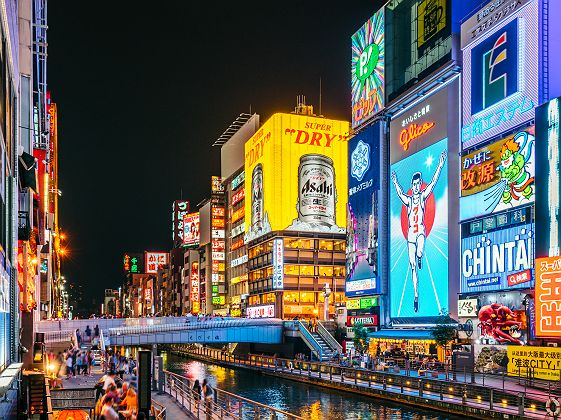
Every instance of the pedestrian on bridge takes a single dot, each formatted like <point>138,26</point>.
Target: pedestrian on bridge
<point>197,391</point>
<point>208,393</point>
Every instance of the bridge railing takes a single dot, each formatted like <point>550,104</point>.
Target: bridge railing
<point>329,339</point>
<point>224,404</point>
<point>487,395</point>
<point>308,338</point>
<point>194,325</point>
<point>59,336</point>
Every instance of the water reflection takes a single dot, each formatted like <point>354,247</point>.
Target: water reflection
<point>310,402</point>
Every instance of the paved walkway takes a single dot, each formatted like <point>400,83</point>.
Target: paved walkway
<point>173,410</point>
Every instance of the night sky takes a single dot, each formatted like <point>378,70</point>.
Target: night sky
<point>143,90</point>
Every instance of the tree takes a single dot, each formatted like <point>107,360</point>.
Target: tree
<point>361,337</point>
<point>444,331</point>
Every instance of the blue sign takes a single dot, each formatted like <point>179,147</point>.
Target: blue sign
<point>494,66</point>
<point>362,208</point>
<point>498,260</point>
<point>419,233</point>
<point>501,76</point>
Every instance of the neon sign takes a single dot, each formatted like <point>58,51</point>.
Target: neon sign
<point>194,295</point>
<point>413,132</point>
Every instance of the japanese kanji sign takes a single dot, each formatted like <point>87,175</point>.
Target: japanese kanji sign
<point>499,176</point>
<point>155,260</point>
<point>548,297</point>
<point>544,362</point>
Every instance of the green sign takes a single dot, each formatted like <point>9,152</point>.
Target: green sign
<point>367,62</point>
<point>215,289</point>
<point>366,303</point>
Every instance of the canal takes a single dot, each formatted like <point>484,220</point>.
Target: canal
<point>308,401</point>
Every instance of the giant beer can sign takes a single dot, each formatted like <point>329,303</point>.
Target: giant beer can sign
<point>296,166</point>
<point>316,184</point>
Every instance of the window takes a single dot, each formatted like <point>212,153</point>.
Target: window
<point>291,270</point>
<point>255,300</point>
<point>339,271</point>
<point>339,245</point>
<point>325,245</point>
<point>326,271</point>
<point>307,297</point>
<point>307,270</point>
<point>269,298</point>
<point>291,297</point>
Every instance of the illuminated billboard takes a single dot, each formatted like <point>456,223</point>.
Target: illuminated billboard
<point>548,297</point>
<point>362,207</point>
<point>179,209</point>
<point>367,69</point>
<point>194,294</point>
<point>132,263</point>
<point>155,261</point>
<point>296,168</point>
<point>548,188</point>
<point>501,259</point>
<point>419,233</point>
<point>423,124</point>
<point>418,40</point>
<point>499,176</point>
<point>500,75</point>
<point>191,232</point>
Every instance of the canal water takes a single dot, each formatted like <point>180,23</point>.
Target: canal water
<point>310,402</point>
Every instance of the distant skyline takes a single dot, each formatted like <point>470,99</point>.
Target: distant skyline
<point>143,92</point>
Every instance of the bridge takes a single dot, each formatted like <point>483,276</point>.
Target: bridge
<point>190,330</point>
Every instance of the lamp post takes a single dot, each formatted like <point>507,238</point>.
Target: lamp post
<point>326,293</point>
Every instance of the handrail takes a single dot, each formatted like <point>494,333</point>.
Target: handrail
<point>159,410</point>
<point>231,396</point>
<point>58,336</point>
<point>101,341</point>
<point>309,339</point>
<point>329,339</point>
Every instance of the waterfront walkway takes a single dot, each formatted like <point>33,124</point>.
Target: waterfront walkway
<point>475,400</point>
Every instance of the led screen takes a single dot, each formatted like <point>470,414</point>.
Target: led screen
<point>419,233</point>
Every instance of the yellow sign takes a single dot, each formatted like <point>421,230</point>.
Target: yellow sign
<point>296,176</point>
<point>431,19</point>
<point>543,362</point>
<point>353,304</point>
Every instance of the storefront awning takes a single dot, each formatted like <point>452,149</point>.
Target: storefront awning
<point>402,334</point>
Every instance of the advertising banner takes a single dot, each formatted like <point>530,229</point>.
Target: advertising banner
<point>419,40</point>
<point>419,233</point>
<point>498,260</point>
<point>132,263</point>
<point>502,318</point>
<point>490,358</point>
<point>180,209</point>
<point>154,261</point>
<point>362,217</point>
<point>364,320</point>
<point>278,263</point>
<point>467,308</point>
<point>548,297</point>
<point>363,287</point>
<point>499,176</point>
<point>548,188</point>
<point>420,126</point>
<point>297,176</point>
<point>191,229</point>
<point>367,69</point>
<point>238,180</point>
<point>544,362</point>
<point>266,311</point>
<point>500,75</point>
<point>194,292</point>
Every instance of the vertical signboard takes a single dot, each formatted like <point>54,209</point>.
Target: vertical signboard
<point>548,297</point>
<point>548,188</point>
<point>296,169</point>
<point>362,207</point>
<point>500,74</point>
<point>278,263</point>
<point>132,263</point>
<point>194,294</point>
<point>367,69</point>
<point>499,176</point>
<point>180,209</point>
<point>191,227</point>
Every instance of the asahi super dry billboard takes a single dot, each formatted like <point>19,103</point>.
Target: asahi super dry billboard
<point>296,180</point>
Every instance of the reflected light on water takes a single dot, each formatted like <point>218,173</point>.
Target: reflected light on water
<point>310,402</point>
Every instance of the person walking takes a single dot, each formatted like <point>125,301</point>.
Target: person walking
<point>96,331</point>
<point>68,365</point>
<point>197,391</point>
<point>208,394</point>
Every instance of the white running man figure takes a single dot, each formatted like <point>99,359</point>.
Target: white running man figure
<point>416,234</point>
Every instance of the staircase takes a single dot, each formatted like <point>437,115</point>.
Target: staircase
<point>36,395</point>
<point>327,353</point>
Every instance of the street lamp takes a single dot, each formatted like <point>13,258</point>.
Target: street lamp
<point>326,293</point>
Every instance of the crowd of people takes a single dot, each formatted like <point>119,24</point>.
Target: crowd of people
<point>116,398</point>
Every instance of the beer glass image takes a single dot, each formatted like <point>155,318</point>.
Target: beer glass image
<point>317,195</point>
<point>259,218</point>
